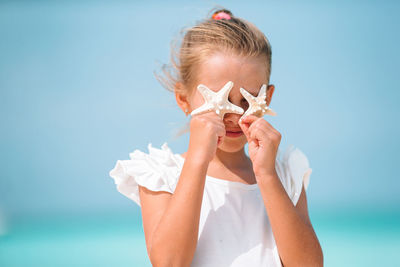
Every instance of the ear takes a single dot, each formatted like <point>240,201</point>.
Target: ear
<point>182,99</point>
<point>270,92</point>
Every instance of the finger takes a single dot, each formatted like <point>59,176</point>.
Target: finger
<point>217,116</point>
<point>265,125</point>
<point>258,134</point>
<point>255,124</point>
<point>221,137</point>
<point>210,113</point>
<point>220,130</point>
<point>220,134</point>
<point>246,122</point>
<point>245,129</point>
<point>249,119</point>
<point>220,140</point>
<point>217,119</point>
<point>203,113</point>
<point>253,143</point>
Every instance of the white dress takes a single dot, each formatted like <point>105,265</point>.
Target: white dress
<point>234,228</point>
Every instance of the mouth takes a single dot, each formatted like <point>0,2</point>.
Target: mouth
<point>233,133</point>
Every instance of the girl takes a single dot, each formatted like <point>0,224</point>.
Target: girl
<point>213,205</point>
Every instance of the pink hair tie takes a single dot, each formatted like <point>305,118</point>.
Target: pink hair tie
<point>221,15</point>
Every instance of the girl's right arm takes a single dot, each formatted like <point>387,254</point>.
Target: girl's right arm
<point>171,221</point>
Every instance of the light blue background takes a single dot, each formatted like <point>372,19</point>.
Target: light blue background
<point>74,77</point>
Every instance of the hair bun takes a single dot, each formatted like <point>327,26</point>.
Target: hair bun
<point>222,14</point>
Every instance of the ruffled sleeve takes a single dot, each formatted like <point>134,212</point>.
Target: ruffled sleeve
<point>157,170</point>
<point>294,171</point>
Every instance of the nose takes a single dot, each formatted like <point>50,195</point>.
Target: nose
<point>232,118</point>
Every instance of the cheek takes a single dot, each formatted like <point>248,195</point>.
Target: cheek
<point>197,100</point>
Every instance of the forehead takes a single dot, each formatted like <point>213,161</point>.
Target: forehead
<point>247,72</point>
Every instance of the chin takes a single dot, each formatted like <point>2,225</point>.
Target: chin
<point>233,144</point>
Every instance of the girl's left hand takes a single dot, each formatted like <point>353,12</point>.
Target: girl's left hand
<point>263,142</point>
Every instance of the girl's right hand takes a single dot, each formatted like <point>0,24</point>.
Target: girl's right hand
<point>207,131</point>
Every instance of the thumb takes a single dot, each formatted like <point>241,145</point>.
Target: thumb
<point>249,119</point>
<point>245,128</point>
<point>245,123</point>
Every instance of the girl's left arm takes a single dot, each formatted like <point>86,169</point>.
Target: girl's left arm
<point>294,235</point>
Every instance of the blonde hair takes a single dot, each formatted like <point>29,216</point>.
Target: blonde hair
<point>207,37</point>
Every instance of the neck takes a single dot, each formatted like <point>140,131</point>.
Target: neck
<point>231,159</point>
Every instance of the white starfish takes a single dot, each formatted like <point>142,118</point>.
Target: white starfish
<point>217,101</point>
<point>257,105</point>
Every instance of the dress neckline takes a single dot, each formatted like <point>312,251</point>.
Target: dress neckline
<point>224,182</point>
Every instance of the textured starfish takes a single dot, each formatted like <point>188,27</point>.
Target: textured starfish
<point>257,105</point>
<point>217,101</point>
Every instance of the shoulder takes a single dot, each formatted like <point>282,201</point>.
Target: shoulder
<point>157,170</point>
<point>294,171</point>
